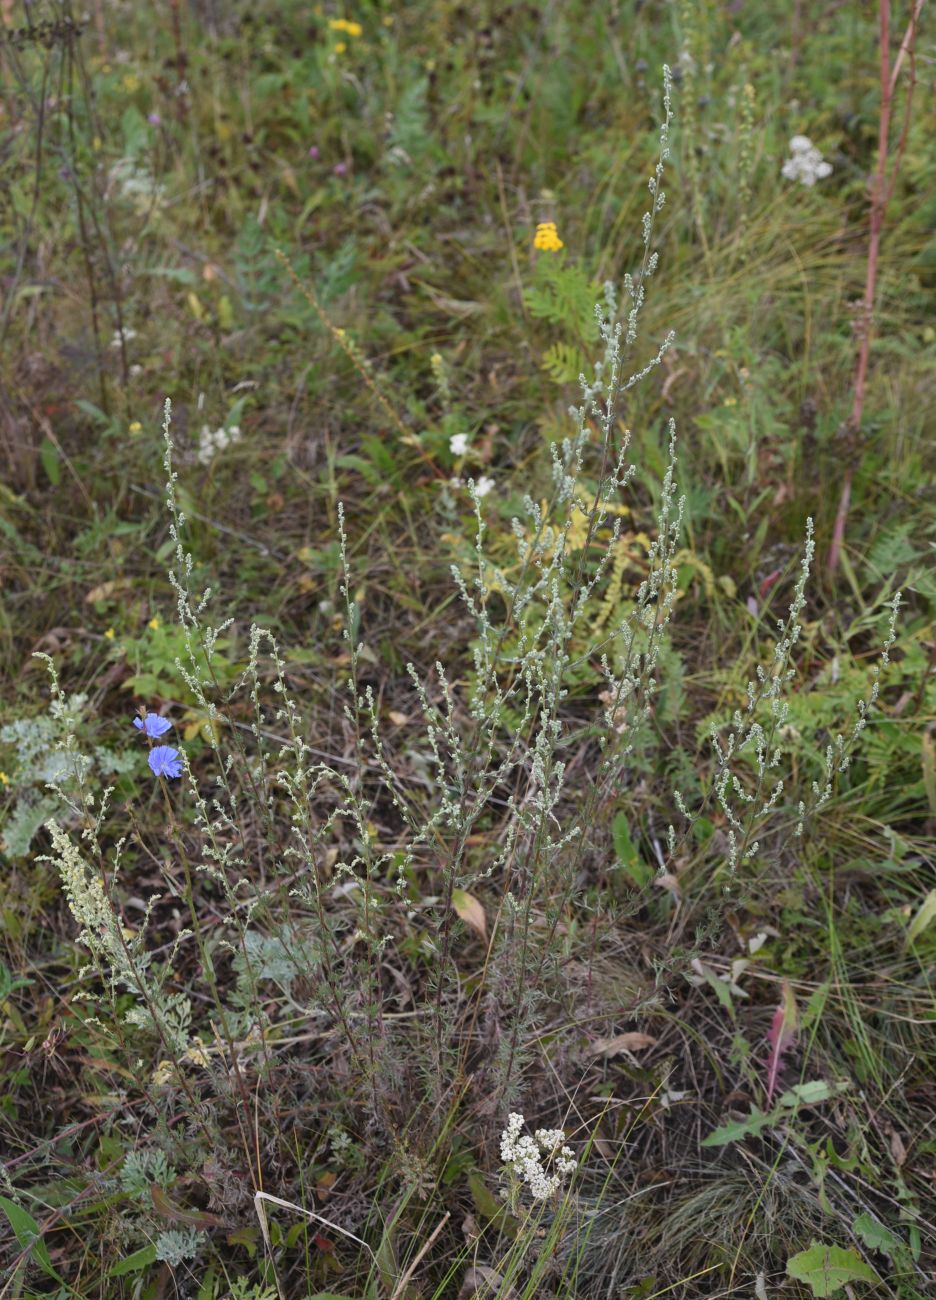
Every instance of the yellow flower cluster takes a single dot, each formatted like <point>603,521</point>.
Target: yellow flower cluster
<point>546,239</point>
<point>343,25</point>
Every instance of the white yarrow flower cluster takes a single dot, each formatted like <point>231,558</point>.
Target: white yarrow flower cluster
<point>458,444</point>
<point>806,163</point>
<point>527,1157</point>
<point>212,441</point>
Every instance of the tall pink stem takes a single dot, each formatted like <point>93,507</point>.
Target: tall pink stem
<point>881,189</point>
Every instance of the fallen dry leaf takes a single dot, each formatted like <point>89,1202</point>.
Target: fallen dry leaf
<point>485,1281</point>
<point>633,1041</point>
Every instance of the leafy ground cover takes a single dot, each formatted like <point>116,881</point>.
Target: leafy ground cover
<point>360,253</point>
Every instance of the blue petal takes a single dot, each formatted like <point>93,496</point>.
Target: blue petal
<point>164,761</point>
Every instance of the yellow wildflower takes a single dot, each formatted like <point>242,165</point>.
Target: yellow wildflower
<point>4,779</point>
<point>546,238</point>
<point>340,47</point>
<point>131,83</point>
<point>154,622</point>
<point>135,426</point>
<point>343,25</point>
<point>110,634</point>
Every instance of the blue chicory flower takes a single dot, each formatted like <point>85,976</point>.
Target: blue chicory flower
<point>165,761</point>
<point>152,725</point>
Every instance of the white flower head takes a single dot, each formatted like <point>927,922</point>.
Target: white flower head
<point>122,337</point>
<point>483,485</point>
<point>458,444</point>
<point>211,441</point>
<point>541,1162</point>
<point>805,164</point>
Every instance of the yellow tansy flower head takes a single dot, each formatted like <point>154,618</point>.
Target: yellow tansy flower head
<point>546,238</point>
<point>110,634</point>
<point>343,25</point>
<point>4,779</point>
<point>154,622</point>
<point>340,47</point>
<point>135,426</point>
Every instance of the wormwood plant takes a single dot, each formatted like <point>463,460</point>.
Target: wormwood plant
<point>313,915</point>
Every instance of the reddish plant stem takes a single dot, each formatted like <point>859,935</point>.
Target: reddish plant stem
<point>881,190</point>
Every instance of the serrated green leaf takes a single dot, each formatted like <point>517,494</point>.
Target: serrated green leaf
<point>811,1093</point>
<point>875,1236</point>
<point>826,1269</point>
<point>133,1263</point>
<point>736,1129</point>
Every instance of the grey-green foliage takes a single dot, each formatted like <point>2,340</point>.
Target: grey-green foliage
<point>508,730</point>
<point>38,761</point>
<point>143,1169</point>
<point>178,1245</point>
<point>29,815</point>
<point>271,957</point>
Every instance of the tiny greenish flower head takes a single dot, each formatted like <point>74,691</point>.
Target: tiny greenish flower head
<point>152,725</point>
<point>165,761</point>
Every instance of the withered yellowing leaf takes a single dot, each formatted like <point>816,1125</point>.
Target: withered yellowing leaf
<point>470,910</point>
<point>633,1041</point>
